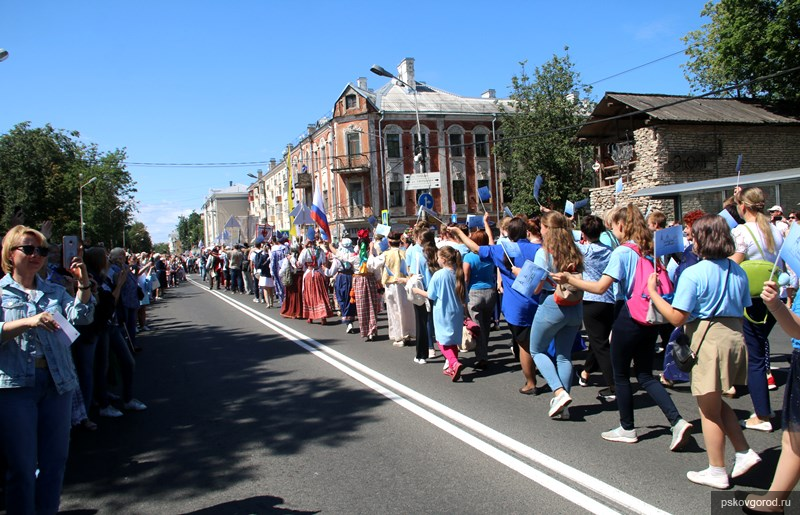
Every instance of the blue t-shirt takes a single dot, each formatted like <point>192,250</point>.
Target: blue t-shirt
<point>417,264</point>
<point>622,268</point>
<point>595,259</point>
<point>517,308</point>
<point>700,290</point>
<point>448,312</point>
<point>543,260</point>
<point>482,272</point>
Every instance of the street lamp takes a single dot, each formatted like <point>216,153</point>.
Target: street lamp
<point>80,195</point>
<point>418,151</point>
<point>3,54</point>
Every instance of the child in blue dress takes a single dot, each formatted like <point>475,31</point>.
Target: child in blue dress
<point>446,290</point>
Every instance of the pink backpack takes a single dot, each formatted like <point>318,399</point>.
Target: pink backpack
<point>639,303</point>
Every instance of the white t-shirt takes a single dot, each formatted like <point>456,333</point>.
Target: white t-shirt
<point>743,239</point>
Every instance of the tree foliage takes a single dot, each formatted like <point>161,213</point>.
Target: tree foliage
<point>41,172</point>
<point>138,239</point>
<point>539,136</point>
<point>190,230</point>
<point>743,40</point>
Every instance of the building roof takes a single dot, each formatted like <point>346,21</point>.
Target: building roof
<point>724,183</point>
<point>392,97</point>
<point>631,111</point>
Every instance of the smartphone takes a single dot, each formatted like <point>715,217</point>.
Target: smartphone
<point>69,250</point>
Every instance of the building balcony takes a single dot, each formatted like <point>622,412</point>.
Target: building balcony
<point>356,164</point>
<point>351,213</point>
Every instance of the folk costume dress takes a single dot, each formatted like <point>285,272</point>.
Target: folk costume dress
<point>368,300</point>
<point>315,292</point>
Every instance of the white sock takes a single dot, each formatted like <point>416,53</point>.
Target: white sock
<point>717,471</point>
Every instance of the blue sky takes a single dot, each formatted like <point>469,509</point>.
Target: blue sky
<point>221,82</point>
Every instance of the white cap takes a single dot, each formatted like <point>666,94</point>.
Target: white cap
<point>776,207</point>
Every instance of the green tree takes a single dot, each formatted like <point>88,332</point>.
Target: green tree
<point>743,40</point>
<point>190,230</point>
<point>539,130</point>
<point>138,238</point>
<point>161,248</point>
<point>41,171</point>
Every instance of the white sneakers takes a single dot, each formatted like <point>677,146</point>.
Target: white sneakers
<point>715,477</point>
<point>110,412</point>
<point>419,361</point>
<point>743,462</point>
<point>558,403</point>
<point>621,435</point>
<point>680,434</point>
<point>134,405</point>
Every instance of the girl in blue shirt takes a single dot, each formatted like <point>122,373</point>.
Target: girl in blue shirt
<point>446,290</point>
<point>714,291</point>
<point>481,277</point>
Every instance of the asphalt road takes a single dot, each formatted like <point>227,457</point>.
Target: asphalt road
<point>251,413</point>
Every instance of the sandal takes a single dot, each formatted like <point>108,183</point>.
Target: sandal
<point>666,382</point>
<point>528,391</point>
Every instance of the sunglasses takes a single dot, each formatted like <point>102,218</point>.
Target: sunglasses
<point>792,218</point>
<point>29,250</point>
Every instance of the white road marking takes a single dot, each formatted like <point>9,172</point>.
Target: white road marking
<point>402,394</point>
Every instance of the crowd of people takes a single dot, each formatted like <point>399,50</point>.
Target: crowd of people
<point>432,280</point>
<point>49,386</point>
<point>440,285</point>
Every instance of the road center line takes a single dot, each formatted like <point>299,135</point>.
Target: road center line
<point>372,379</point>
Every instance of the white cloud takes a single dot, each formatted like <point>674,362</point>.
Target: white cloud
<point>161,218</point>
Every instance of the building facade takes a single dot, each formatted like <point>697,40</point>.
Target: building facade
<point>226,215</point>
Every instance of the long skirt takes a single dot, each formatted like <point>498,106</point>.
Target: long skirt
<point>342,287</point>
<point>400,313</point>
<point>315,296</point>
<point>368,303</point>
<point>292,306</point>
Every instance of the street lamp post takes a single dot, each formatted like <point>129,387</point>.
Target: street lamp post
<point>418,151</point>
<point>80,195</point>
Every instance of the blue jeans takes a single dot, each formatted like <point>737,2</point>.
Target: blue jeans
<point>237,282</point>
<point>83,352</point>
<point>559,323</point>
<point>111,340</point>
<point>633,341</point>
<point>34,430</point>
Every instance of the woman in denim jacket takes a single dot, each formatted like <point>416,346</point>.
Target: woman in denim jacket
<point>37,376</point>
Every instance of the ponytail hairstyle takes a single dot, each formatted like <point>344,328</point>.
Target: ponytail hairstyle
<point>635,229</point>
<point>427,241</point>
<point>559,243</point>
<point>753,200</point>
<point>452,259</point>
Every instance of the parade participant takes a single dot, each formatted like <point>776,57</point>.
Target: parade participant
<point>365,287</point>
<point>37,376</point>
<point>598,310</point>
<point>342,268</point>
<point>518,309</point>
<point>709,301</point>
<point>787,473</point>
<point>630,340</point>
<point>398,308</point>
<point>421,261</point>
<point>315,292</point>
<point>447,290</point>
<point>277,254</point>
<point>292,280</point>
<point>480,275</point>
<point>557,319</point>
<point>757,239</point>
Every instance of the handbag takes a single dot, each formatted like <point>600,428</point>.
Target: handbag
<point>682,353</point>
<point>469,334</point>
<point>568,295</point>
<point>758,270</point>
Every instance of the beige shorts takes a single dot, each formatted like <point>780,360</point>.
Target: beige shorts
<point>722,358</point>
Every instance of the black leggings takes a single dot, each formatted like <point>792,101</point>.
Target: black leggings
<point>598,317</point>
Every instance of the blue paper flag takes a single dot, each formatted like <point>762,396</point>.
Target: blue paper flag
<point>739,164</point>
<point>569,208</point>
<point>484,193</point>
<point>668,241</point>
<point>529,279</point>
<point>732,223</point>
<point>507,212</point>
<point>310,233</point>
<point>475,221</point>
<point>454,218</point>
<point>790,250</point>
<point>618,187</point>
<point>537,186</point>
<point>372,220</point>
<point>581,204</point>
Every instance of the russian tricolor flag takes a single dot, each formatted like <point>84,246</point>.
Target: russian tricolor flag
<point>318,213</point>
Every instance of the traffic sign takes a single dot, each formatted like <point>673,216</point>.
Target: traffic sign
<point>385,216</point>
<point>426,200</point>
<point>422,181</point>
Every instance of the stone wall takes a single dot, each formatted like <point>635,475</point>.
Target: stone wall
<point>674,154</point>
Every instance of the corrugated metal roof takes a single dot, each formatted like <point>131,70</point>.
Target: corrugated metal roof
<point>712,110</point>
<point>748,180</point>
<point>394,98</point>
